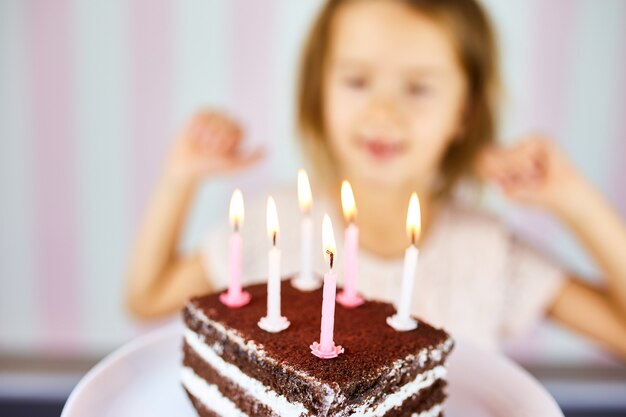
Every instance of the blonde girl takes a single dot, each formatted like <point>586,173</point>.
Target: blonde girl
<point>399,96</point>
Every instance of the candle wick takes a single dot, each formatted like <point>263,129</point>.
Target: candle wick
<point>236,226</point>
<point>274,239</point>
<point>413,237</point>
<point>332,258</point>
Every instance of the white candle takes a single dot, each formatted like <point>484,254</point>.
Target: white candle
<point>273,322</point>
<point>349,297</point>
<point>402,320</point>
<point>273,284</point>
<point>306,257</point>
<point>306,279</point>
<point>408,277</point>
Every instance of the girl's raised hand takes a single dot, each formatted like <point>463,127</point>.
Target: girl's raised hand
<point>533,171</point>
<point>209,144</point>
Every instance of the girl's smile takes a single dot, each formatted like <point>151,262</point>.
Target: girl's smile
<point>381,148</point>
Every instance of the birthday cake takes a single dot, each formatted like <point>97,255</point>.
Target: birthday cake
<point>231,367</point>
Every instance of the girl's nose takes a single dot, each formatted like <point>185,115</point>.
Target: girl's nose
<point>384,110</point>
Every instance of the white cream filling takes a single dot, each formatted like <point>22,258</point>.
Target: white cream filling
<point>208,394</point>
<point>396,399</point>
<point>278,403</point>
<point>212,398</point>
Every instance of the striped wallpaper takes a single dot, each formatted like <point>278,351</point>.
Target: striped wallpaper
<point>91,94</point>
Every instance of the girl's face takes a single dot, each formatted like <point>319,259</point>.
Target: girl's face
<point>394,94</point>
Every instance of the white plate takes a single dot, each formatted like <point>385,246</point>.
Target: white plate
<point>141,379</point>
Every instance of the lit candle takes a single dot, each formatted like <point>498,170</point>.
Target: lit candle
<point>235,297</point>
<point>326,348</point>
<point>306,280</point>
<point>402,320</point>
<point>273,322</point>
<point>349,296</point>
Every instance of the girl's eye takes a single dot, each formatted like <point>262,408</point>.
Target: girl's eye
<point>417,89</point>
<point>356,83</point>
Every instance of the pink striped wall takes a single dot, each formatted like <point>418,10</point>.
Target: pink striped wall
<point>254,36</point>
<point>151,73</point>
<point>54,145</point>
<point>552,33</point>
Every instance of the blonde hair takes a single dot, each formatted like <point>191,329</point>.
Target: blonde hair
<point>475,44</point>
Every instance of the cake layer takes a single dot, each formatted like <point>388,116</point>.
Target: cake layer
<point>238,395</point>
<point>208,400</point>
<point>377,361</point>
<point>207,396</point>
<point>200,408</point>
<point>250,397</point>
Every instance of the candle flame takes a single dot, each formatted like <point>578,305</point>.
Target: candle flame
<point>235,213</point>
<point>347,202</point>
<point>272,220</point>
<point>328,240</point>
<point>304,191</point>
<point>413,219</point>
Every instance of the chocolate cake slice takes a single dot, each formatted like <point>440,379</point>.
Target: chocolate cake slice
<point>233,368</point>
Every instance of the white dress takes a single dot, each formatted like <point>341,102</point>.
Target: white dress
<point>474,278</point>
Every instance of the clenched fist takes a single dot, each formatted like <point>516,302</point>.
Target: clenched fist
<point>533,171</point>
<point>209,144</point>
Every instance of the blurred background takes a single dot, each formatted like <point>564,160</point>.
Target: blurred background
<point>92,92</point>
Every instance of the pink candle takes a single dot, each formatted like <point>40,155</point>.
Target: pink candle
<point>235,297</point>
<point>351,248</point>
<point>235,247</point>
<point>326,348</point>
<point>328,312</point>
<point>349,297</point>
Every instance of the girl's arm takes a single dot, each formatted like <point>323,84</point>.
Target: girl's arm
<point>536,172</point>
<point>598,313</point>
<point>160,278</point>
<point>601,231</point>
<point>588,310</point>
